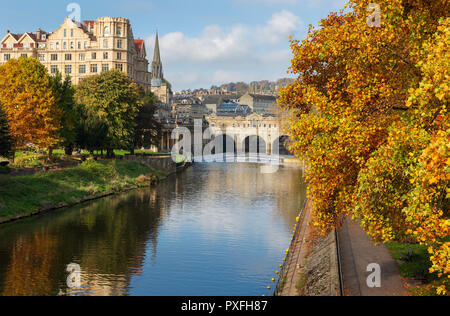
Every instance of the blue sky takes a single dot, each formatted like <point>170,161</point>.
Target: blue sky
<point>202,42</point>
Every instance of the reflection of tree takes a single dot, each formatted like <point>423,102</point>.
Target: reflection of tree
<point>107,238</point>
<point>30,266</point>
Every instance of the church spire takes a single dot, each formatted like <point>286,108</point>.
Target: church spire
<point>157,73</point>
<point>157,55</point>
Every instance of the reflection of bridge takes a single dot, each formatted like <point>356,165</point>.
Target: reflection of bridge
<point>252,133</point>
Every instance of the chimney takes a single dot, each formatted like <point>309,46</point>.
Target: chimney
<point>38,34</point>
<point>7,32</point>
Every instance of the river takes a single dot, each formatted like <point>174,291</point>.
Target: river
<point>215,229</point>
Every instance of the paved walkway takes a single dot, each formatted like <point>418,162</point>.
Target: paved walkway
<point>357,252</point>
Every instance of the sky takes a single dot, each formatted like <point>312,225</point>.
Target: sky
<point>203,42</point>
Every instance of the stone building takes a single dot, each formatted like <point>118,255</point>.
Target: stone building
<point>260,104</point>
<point>159,86</point>
<point>83,49</point>
<point>187,108</point>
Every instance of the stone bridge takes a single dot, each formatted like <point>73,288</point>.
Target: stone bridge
<point>238,134</point>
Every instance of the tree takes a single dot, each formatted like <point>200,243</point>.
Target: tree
<point>5,137</point>
<point>370,106</point>
<point>147,129</point>
<point>109,104</point>
<point>64,98</point>
<point>29,103</point>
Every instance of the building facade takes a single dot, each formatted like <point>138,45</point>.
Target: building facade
<point>83,49</point>
<point>261,104</point>
<point>187,108</point>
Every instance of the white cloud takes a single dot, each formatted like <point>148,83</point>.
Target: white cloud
<point>223,54</point>
<point>309,3</point>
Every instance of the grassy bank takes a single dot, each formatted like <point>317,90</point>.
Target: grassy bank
<point>26,195</point>
<point>414,263</point>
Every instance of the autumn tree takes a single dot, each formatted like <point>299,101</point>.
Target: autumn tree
<point>109,104</point>
<point>5,137</point>
<point>370,119</point>
<point>29,103</point>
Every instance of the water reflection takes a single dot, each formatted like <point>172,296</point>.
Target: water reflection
<point>217,229</point>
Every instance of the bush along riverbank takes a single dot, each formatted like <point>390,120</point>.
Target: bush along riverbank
<point>24,196</point>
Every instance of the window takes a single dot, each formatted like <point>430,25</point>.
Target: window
<point>105,67</point>
<point>51,45</point>
<point>93,68</point>
<point>65,33</point>
<point>26,45</point>
<point>119,56</point>
<point>41,57</point>
<point>65,45</point>
<point>71,45</point>
<point>68,69</point>
<point>68,57</point>
<point>82,57</point>
<point>53,69</point>
<point>9,45</point>
<point>105,55</point>
<point>54,57</point>
<point>79,45</point>
<point>119,43</point>
<point>105,43</point>
<point>71,33</point>
<point>85,45</point>
<point>82,69</point>
<point>24,55</point>
<point>7,57</point>
<point>94,56</point>
<point>41,45</point>
<point>57,45</point>
<point>119,31</point>
<point>106,31</point>
<point>119,67</point>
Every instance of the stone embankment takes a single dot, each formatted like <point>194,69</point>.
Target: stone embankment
<point>312,268</point>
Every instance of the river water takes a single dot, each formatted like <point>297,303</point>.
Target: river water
<point>215,229</point>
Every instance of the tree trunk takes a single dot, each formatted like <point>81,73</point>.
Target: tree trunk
<point>110,153</point>
<point>50,154</point>
<point>68,150</point>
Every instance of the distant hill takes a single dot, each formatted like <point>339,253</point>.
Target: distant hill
<point>263,86</point>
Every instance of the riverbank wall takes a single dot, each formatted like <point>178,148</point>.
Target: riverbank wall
<point>312,263</point>
<point>164,163</point>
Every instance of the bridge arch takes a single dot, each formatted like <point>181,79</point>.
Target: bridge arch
<point>282,143</point>
<point>254,144</point>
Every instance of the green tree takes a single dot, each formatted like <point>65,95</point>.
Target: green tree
<point>147,130</point>
<point>5,137</point>
<point>109,102</point>
<point>64,97</point>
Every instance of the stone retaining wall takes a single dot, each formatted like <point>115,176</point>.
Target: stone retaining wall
<point>322,270</point>
<point>164,163</point>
